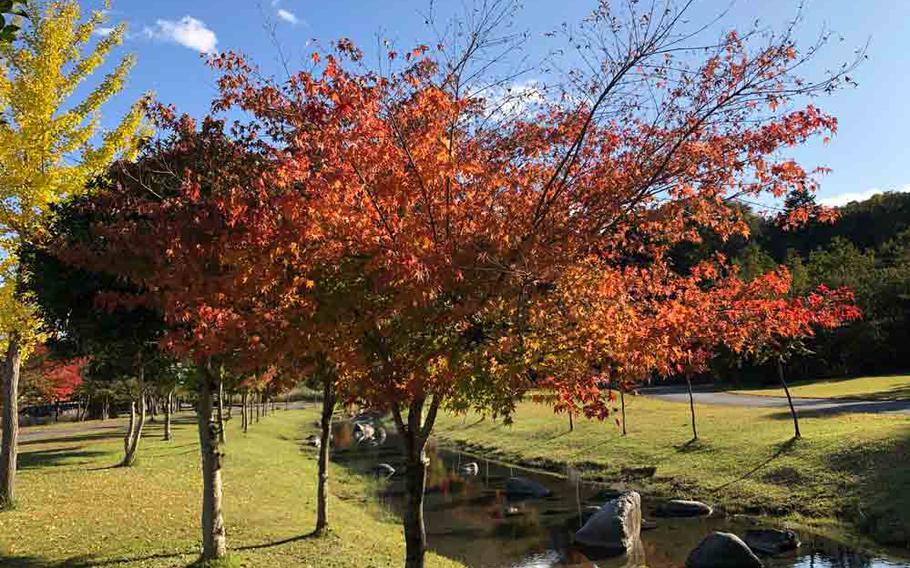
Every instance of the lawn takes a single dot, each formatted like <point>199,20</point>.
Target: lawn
<point>849,474</point>
<point>891,387</point>
<point>76,511</point>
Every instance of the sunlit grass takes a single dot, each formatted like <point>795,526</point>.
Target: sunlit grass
<point>891,387</point>
<point>851,467</point>
<point>76,511</point>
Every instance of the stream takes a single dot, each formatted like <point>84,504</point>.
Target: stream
<point>470,518</point>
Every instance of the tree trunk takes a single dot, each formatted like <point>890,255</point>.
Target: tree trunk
<point>328,408</point>
<point>622,404</point>
<point>780,374</point>
<point>414,437</point>
<point>243,418</point>
<point>214,541</point>
<point>128,437</point>
<point>692,408</point>
<point>8,453</point>
<point>258,404</point>
<point>230,405</point>
<point>415,535</point>
<point>571,421</point>
<point>220,408</point>
<point>136,434</point>
<point>167,415</point>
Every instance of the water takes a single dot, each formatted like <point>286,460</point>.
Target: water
<point>470,519</point>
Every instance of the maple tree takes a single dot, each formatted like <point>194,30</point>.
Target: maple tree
<point>503,252</point>
<point>47,379</point>
<point>438,252</point>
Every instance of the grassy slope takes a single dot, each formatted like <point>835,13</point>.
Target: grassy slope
<point>73,512</point>
<point>855,467</point>
<point>893,387</point>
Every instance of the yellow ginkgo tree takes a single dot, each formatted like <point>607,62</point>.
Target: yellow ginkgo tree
<point>52,145</point>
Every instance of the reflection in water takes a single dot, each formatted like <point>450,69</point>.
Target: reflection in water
<point>470,517</point>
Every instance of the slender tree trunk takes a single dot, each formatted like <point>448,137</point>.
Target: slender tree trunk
<point>135,434</point>
<point>56,411</point>
<point>780,374</point>
<point>8,452</point>
<point>214,541</point>
<point>230,405</point>
<point>571,421</point>
<point>414,437</point>
<point>128,437</point>
<point>258,404</point>
<point>622,404</point>
<point>692,408</point>
<point>167,415</point>
<point>243,420</point>
<point>325,433</point>
<point>220,408</point>
<point>416,478</point>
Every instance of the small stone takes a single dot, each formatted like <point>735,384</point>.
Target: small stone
<point>771,541</point>
<point>722,550</point>
<point>524,487</point>
<point>383,470</point>
<point>684,508</point>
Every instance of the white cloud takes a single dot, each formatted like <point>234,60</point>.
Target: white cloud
<point>103,32</point>
<point>287,16</point>
<point>517,98</point>
<point>842,199</point>
<point>188,32</point>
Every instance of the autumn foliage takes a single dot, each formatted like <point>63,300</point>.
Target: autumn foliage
<point>438,252</point>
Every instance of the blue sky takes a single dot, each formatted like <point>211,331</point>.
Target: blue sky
<point>870,153</point>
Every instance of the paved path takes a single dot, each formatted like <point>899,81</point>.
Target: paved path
<point>806,406</point>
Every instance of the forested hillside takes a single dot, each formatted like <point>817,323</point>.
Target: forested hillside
<point>867,248</point>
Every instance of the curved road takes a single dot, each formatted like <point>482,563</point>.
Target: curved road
<point>803,405</point>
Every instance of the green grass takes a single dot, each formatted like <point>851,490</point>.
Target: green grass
<point>74,510</point>
<point>848,472</point>
<point>893,387</point>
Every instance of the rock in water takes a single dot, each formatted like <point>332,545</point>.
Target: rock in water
<point>722,550</point>
<point>363,432</point>
<point>771,541</point>
<point>615,527</point>
<point>524,487</point>
<point>683,508</point>
<point>383,470</point>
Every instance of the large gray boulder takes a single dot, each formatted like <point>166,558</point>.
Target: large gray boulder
<point>722,550</point>
<point>683,508</point>
<point>522,487</point>
<point>771,541</point>
<point>615,527</point>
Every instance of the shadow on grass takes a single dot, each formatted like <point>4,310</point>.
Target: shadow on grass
<point>879,486</point>
<point>782,449</point>
<point>86,437</point>
<point>845,406</point>
<point>281,542</point>
<point>60,456</point>
<point>693,445</point>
